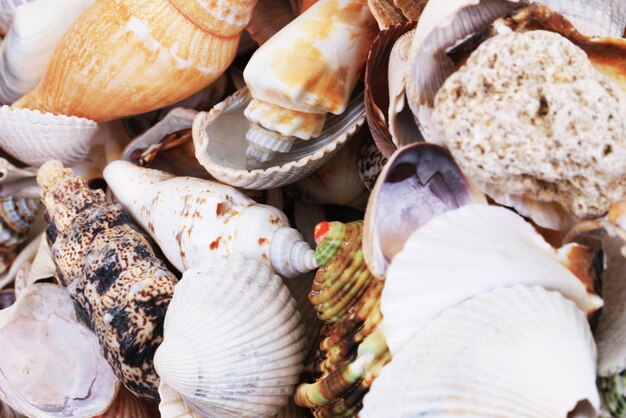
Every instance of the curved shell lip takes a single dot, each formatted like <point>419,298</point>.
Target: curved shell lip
<point>280,174</point>
<point>377,98</point>
<point>461,193</point>
<point>177,119</point>
<point>34,137</point>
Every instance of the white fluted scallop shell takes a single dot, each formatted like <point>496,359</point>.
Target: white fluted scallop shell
<point>220,140</point>
<point>34,137</point>
<point>514,352</point>
<point>464,252</point>
<point>233,342</point>
<point>26,51</point>
<point>71,379</point>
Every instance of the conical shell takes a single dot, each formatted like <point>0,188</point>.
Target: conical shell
<point>462,253</point>
<point>161,44</point>
<point>419,182</point>
<point>352,348</point>
<point>233,343</point>
<point>308,69</point>
<point>193,219</point>
<point>40,373</point>
<point>26,51</point>
<point>221,145</point>
<point>101,256</point>
<point>35,137</point>
<point>514,352</point>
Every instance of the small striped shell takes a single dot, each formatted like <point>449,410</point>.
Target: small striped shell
<point>17,215</point>
<point>353,349</point>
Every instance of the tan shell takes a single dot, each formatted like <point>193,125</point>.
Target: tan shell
<point>168,49</point>
<point>220,140</point>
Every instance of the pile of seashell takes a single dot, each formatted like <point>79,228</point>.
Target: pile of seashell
<point>329,208</point>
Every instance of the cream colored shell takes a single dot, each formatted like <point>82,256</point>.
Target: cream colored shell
<point>462,253</point>
<point>519,352</point>
<point>233,342</point>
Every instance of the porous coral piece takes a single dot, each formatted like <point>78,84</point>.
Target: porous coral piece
<point>530,115</point>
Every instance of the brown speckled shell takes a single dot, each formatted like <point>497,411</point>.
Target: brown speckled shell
<point>120,289</point>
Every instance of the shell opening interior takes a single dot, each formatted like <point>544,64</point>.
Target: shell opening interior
<point>229,144</point>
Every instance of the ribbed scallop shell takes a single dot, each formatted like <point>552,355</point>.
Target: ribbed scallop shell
<point>233,342</point>
<point>462,253</point>
<point>352,348</point>
<point>514,352</point>
<point>35,137</point>
<point>17,215</point>
<point>221,145</point>
<point>26,51</point>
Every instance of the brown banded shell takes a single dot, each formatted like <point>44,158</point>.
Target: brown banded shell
<point>347,298</point>
<point>376,86</point>
<point>101,256</point>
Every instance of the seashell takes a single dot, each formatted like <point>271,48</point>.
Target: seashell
<point>7,12</point>
<point>72,379</point>
<point>33,266</point>
<point>465,22</point>
<point>168,146</point>
<point>7,412</point>
<point>108,260</point>
<point>193,219</point>
<point>20,262</point>
<point>479,359</point>
<point>307,70</point>
<point>135,126</point>
<point>250,358</point>
<point>377,86</point>
<point>25,53</point>
<point>470,250</point>
<point>161,37</point>
<point>385,13</point>
<point>268,18</point>
<point>418,183</point>
<point>347,298</point>
<point>17,215</point>
<point>370,163</point>
<point>221,147</point>
<point>127,406</point>
<point>338,181</point>
<point>35,137</point>
<point>7,298</point>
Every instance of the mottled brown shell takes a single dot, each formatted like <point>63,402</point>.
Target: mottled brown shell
<point>120,288</point>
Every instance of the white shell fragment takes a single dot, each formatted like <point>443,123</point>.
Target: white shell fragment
<point>462,253</point>
<point>233,342</point>
<point>27,49</point>
<point>72,379</point>
<point>193,219</point>
<point>520,352</point>
<point>34,137</point>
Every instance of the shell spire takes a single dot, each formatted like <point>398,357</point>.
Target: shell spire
<point>193,219</point>
<point>119,287</point>
<point>17,215</point>
<point>346,297</point>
